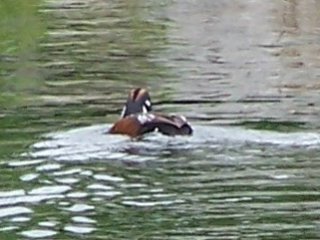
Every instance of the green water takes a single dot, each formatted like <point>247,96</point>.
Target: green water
<point>245,74</point>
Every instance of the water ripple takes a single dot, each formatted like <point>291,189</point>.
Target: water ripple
<point>38,233</point>
<point>13,211</point>
<point>79,229</point>
<point>92,143</point>
<point>49,190</point>
<point>76,208</point>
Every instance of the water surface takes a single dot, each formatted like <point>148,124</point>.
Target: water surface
<point>244,73</point>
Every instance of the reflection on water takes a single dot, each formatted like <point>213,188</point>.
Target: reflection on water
<point>249,64</point>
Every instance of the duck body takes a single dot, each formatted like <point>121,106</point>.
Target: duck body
<point>137,119</point>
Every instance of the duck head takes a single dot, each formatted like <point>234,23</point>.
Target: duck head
<point>138,101</point>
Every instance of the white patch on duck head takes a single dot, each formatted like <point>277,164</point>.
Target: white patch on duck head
<point>147,103</point>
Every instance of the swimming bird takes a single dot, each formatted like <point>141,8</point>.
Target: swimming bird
<point>137,118</point>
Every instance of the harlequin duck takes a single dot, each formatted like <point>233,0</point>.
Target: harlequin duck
<point>137,118</point>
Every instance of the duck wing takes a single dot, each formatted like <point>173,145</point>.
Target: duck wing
<point>166,124</point>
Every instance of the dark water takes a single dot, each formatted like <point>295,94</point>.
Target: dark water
<point>245,73</point>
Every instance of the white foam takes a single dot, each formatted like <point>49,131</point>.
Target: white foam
<point>87,143</point>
